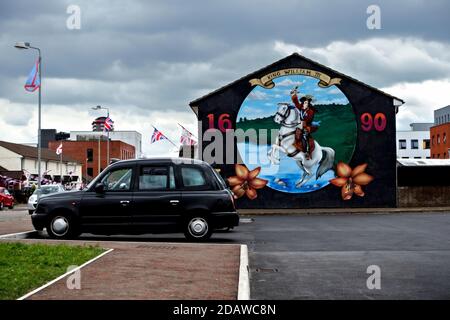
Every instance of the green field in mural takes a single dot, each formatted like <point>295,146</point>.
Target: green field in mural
<point>337,128</point>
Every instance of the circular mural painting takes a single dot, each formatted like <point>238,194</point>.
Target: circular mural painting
<point>301,131</point>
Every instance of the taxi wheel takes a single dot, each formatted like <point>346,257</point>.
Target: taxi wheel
<point>61,226</point>
<point>198,229</point>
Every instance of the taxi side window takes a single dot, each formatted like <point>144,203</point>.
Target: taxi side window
<point>193,177</point>
<point>156,178</point>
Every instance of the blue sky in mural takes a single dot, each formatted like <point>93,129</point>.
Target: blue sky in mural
<point>262,102</point>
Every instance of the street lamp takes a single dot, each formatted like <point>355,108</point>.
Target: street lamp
<point>22,46</point>
<point>107,132</point>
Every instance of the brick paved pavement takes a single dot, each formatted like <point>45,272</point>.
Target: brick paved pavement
<point>142,270</point>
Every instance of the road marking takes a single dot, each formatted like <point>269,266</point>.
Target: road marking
<point>244,280</point>
<point>16,234</point>
<point>64,275</point>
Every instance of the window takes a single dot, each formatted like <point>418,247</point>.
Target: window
<point>90,172</point>
<point>414,144</point>
<point>444,137</point>
<point>405,157</point>
<point>433,141</point>
<point>90,155</point>
<point>438,139</point>
<point>156,178</point>
<point>118,180</point>
<point>402,144</point>
<point>426,144</point>
<point>417,157</point>
<point>192,177</point>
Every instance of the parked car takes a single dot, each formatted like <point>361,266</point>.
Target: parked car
<point>42,192</point>
<point>143,196</point>
<point>6,199</point>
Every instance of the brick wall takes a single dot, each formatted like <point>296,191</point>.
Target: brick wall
<point>440,143</point>
<point>78,150</point>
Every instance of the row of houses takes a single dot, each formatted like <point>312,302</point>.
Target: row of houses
<point>84,155</point>
<point>19,161</point>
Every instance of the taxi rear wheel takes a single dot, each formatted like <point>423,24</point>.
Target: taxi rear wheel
<point>198,229</point>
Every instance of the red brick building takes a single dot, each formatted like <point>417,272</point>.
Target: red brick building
<point>440,144</point>
<point>87,153</point>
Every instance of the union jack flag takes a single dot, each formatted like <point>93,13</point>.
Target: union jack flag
<point>108,125</point>
<point>157,135</point>
<point>33,82</point>
<point>187,138</point>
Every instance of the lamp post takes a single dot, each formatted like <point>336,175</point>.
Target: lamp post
<point>107,132</point>
<point>26,45</point>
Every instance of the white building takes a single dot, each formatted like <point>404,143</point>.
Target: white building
<point>20,157</point>
<point>414,143</point>
<point>133,138</point>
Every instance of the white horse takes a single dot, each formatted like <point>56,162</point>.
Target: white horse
<point>289,119</point>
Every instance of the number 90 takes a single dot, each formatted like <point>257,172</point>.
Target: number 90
<point>368,122</point>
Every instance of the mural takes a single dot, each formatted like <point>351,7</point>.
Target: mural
<point>311,128</point>
<point>323,139</point>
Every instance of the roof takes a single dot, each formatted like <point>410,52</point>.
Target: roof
<point>32,152</point>
<point>158,160</point>
<point>441,125</point>
<point>443,109</point>
<point>295,54</point>
<point>14,174</point>
<point>423,162</point>
<point>96,132</point>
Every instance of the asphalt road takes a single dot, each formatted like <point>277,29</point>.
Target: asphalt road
<point>327,256</point>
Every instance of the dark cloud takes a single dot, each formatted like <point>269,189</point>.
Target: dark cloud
<point>159,55</point>
<point>146,32</point>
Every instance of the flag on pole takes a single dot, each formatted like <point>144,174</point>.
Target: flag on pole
<point>33,82</point>
<point>157,135</point>
<point>59,150</point>
<point>109,125</point>
<point>187,138</point>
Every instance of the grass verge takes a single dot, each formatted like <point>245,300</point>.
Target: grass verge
<point>24,267</point>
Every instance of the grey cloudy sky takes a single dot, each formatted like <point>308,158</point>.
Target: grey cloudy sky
<point>147,59</point>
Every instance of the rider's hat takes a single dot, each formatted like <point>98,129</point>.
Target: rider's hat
<point>308,97</point>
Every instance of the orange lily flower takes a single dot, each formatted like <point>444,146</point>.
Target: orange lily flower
<point>351,180</point>
<point>246,182</point>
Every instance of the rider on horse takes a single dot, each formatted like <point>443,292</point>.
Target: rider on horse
<point>303,139</point>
